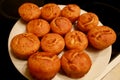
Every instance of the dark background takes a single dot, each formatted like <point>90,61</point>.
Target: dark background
<point>107,10</point>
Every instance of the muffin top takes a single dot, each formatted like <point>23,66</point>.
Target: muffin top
<point>101,37</point>
<point>50,11</point>
<point>43,66</point>
<point>52,42</point>
<point>76,40</point>
<point>61,25</point>
<point>25,44</point>
<point>39,27</point>
<point>87,21</point>
<point>75,63</point>
<point>29,11</point>
<point>71,11</point>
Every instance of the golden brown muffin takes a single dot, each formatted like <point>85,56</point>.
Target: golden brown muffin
<point>29,11</point>
<point>76,40</point>
<point>101,37</point>
<point>43,66</point>
<point>61,25</point>
<point>39,27</point>
<point>50,11</point>
<point>75,63</point>
<point>71,11</point>
<point>87,21</point>
<point>25,44</point>
<point>52,42</point>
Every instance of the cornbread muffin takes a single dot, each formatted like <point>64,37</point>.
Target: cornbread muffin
<point>101,37</point>
<point>52,42</point>
<point>75,63</point>
<point>76,40</point>
<point>87,21</point>
<point>29,11</point>
<point>25,44</point>
<point>71,11</point>
<point>50,11</point>
<point>61,25</point>
<point>43,66</point>
<point>39,27</point>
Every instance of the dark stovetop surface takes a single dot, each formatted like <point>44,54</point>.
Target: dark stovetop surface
<point>107,10</point>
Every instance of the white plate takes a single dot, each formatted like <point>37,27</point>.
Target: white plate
<point>100,59</point>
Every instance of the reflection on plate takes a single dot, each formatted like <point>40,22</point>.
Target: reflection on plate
<point>100,58</point>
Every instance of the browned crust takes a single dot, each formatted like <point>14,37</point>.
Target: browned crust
<point>25,44</point>
<point>101,37</point>
<point>75,63</point>
<point>87,21</point>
